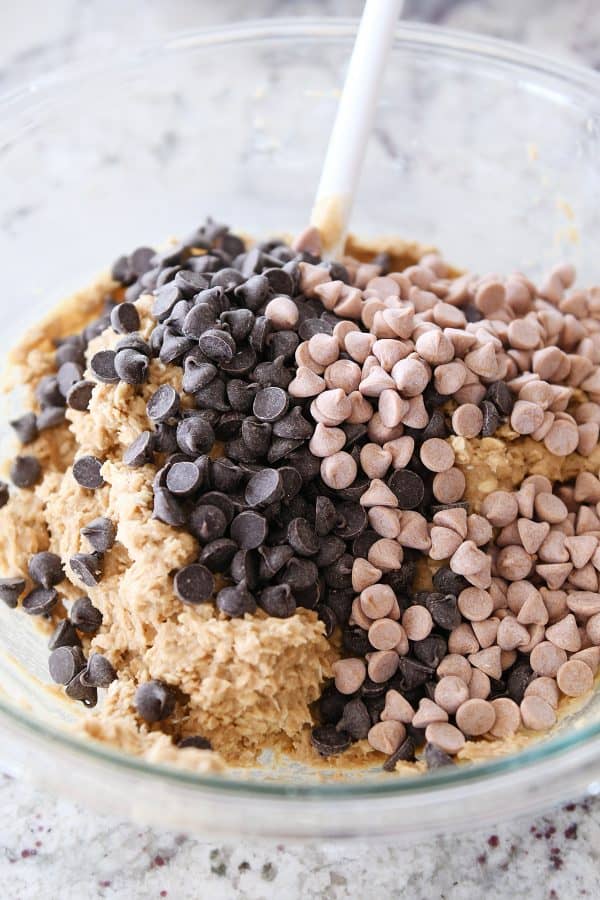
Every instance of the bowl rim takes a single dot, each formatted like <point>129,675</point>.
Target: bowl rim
<point>473,47</point>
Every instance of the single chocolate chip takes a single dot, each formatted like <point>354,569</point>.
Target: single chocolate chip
<point>331,705</point>
<point>86,472</point>
<point>356,640</point>
<point>331,548</point>
<point>100,533</point>
<point>196,741</point>
<point>102,365</point>
<point>273,559</point>
<point>65,663</point>
<point>165,299</point>
<point>195,436</point>
<point>217,554</point>
<point>173,346</point>
<point>370,689</point>
<point>98,672</point>
<point>167,509</point>
<point>154,701</point>
<point>299,574</point>
<point>325,515</point>
<point>431,650</point>
<point>255,435</point>
<point>87,567</point>
<point>40,601</point>
<point>519,677</point>
<point>240,323</point>
<point>444,611</point>
<point>70,353</point>
<point>25,427</point>
<point>491,418</point>
<point>225,475</point>
<point>178,314</point>
<point>25,471</point>
<point>222,501</point>
<point>131,367</point>
<point>363,543</point>
<point>249,530</point>
<point>282,448</point>
<point>48,392</point>
<point>448,582</point>
<point>270,404</point>
<point>355,720</point>
<point>241,395</point>
<point>254,292</point>
<point>327,741</point>
<point>412,674</point>
<point>351,520</point>
<point>404,753</point>
<point>340,602</point>
<point>140,450</point>
<point>217,344</point>
<point>259,335</point>
<point>244,567</point>
<point>125,318</point>
<point>293,426</point>
<point>277,601</point>
<point>291,483</point>
<point>499,394</point>
<point>11,589</point>
<point>408,487</point>
<point>64,635</point>
<point>85,616</point>
<point>309,327</point>
<point>273,374</point>
<point>436,427</point>
<point>190,283</point>
<point>50,417</point>
<point>264,488</point>
<point>207,523</point>
<point>45,568</point>
<point>302,537</point>
<point>309,597</point>
<point>79,395</point>
<point>77,690</point>
<point>436,758</point>
<point>135,342</point>
<point>283,343</point>
<point>163,404</point>
<point>194,584</point>
<point>236,601</point>
<point>183,478</point>
<point>141,260</point>
<point>327,616</point>
<point>339,575</point>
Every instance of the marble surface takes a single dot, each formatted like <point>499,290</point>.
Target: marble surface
<point>51,848</point>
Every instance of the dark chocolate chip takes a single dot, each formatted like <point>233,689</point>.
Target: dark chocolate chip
<point>167,509</point>
<point>100,533</point>
<point>77,690</point>
<point>270,404</point>
<point>310,327</point>
<point>165,299</point>
<point>225,475</point>
<point>331,548</point>
<point>174,346</point>
<point>163,404</point>
<point>255,435</point>
<point>11,589</point>
<point>259,335</point>
<point>45,568</point>
<point>125,318</point>
<point>299,574</point>
<point>194,584</point>
<point>444,610</point>
<point>131,367</point>
<point>282,448</point>
<point>264,488</point>
<point>85,616</point>
<point>331,705</point>
<point>341,604</point>
<point>140,450</point>
<point>64,635</point>
<point>98,672</point>
<point>135,342</point>
<point>65,663</point>
<point>249,530</point>
<point>236,601</point>
<point>283,343</point>
<point>519,677</point>
<point>241,395</point>
<point>222,501</point>
<point>351,520</point>
<point>273,559</point>
<point>273,374</point>
<point>217,554</point>
<point>80,395</point>
<point>196,741</point>
<point>408,487</point>
<point>291,483</point>
<point>448,582</point>
<point>356,641</point>
<point>436,427</point>
<point>412,674</point>
<point>325,515</point>
<point>499,394</point>
<point>86,472</point>
<point>190,283</point>
<point>254,292</point>
<point>183,478</point>
<point>436,758</point>
<point>355,720</point>
<point>431,650</point>
<point>302,537</point>
<point>404,753</point>
<point>195,436</point>
<point>87,567</point>
<point>50,417</point>
<point>277,601</point>
<point>491,418</point>
<point>207,522</point>
<point>327,740</point>
<point>217,344</point>
<point>102,365</point>
<point>48,392</point>
<point>40,601</point>
<point>327,616</point>
<point>25,427</point>
<point>154,701</point>
<point>25,471</point>
<point>240,323</point>
<point>363,543</point>
<point>244,567</point>
<point>293,426</point>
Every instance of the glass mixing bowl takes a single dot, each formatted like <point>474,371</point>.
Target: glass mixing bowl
<point>484,149</point>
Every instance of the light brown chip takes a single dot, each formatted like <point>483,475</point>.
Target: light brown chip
<point>343,374</point>
<point>455,664</point>
<point>358,345</point>
<point>583,603</point>
<point>467,420</point>
<point>511,634</point>
<point>326,441</point>
<point>454,518</point>
<point>361,410</point>
<point>401,450</point>
<point>581,548</point>
<point>445,736</point>
<point>475,604</point>
<point>593,629</point>
<point>364,574</point>
<point>385,634</point>
<point>390,351</point>
<point>565,634</point>
<point>533,610</point>
<point>514,563</point>
<point>306,383</point>
<point>386,736</point>
<point>410,376</point>
<point>427,713</point>
<point>397,708</point>
<point>449,487</point>
<point>562,438</point>
<point>385,521</point>
<point>462,640</point>
<point>547,658</point>
<point>413,531</point>
<point>479,530</point>
<point>482,361</point>
<point>554,574</point>
<point>377,601</point>
<point>550,508</point>
<point>486,631</point>
<point>590,656</point>
<point>532,534</point>
<point>382,665</point>
<point>339,470</point>
<point>449,378</point>
<point>544,687</point>
<point>508,718</point>
<point>490,297</point>
<point>526,417</point>
<point>450,693</point>
<point>374,460</point>
<point>537,714</point>
<point>349,674</point>
<point>333,406</point>
<point>479,687</point>
<point>358,617</point>
<point>500,508</point>
<point>475,717</point>
<point>376,382</point>
<point>553,549</point>
<point>468,559</point>
<point>489,661</point>
<point>437,455</point>
<point>444,542</point>
<point>392,408</point>
<point>417,623</point>
<point>386,554</point>
<point>378,494</point>
<point>324,349</point>
<point>379,434</point>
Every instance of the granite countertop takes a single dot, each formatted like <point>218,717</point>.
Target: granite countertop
<point>51,848</point>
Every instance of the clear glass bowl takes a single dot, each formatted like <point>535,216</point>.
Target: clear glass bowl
<point>486,150</point>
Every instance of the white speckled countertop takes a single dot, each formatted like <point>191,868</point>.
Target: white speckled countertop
<point>50,848</point>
